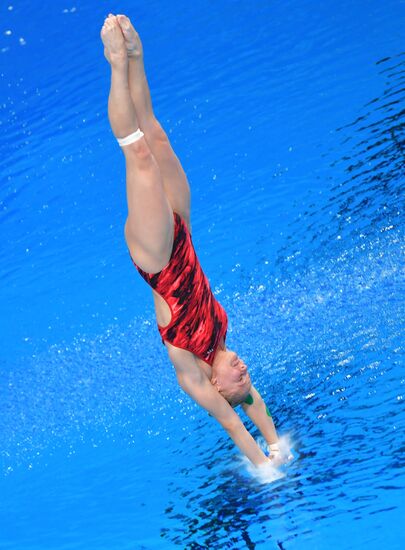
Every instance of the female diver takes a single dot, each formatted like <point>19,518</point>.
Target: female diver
<point>191,322</point>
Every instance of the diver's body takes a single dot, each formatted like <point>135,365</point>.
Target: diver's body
<point>158,235</point>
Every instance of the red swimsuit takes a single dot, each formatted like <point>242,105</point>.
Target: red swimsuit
<point>198,321</point>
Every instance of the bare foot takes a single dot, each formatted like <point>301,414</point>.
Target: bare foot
<point>113,40</point>
<point>132,41</point>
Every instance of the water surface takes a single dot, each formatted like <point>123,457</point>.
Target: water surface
<point>288,118</point>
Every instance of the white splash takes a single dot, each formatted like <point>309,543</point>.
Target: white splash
<point>270,472</point>
<point>267,473</point>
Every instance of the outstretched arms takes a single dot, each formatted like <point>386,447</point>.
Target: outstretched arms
<point>256,409</point>
<point>196,383</point>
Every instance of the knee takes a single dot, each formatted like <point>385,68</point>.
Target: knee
<point>138,149</point>
<point>154,132</point>
<point>138,152</point>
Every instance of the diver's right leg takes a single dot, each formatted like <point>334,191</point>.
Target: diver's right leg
<point>174,178</point>
<point>149,227</point>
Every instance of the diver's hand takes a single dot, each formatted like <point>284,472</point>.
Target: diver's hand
<point>277,455</point>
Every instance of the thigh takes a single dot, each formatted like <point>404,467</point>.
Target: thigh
<point>149,228</point>
<point>174,178</point>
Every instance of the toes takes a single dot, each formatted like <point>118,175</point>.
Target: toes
<point>123,21</point>
<point>110,20</point>
<point>110,24</point>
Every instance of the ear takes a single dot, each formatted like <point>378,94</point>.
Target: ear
<point>214,382</point>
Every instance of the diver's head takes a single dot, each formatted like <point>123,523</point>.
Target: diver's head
<point>230,377</point>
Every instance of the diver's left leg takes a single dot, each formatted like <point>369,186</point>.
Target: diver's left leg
<point>174,178</point>
<point>149,228</point>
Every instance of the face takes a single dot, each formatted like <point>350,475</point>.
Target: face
<point>230,376</point>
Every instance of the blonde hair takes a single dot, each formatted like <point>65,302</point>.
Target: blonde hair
<point>235,397</point>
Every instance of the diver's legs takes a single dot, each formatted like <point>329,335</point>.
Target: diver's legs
<point>174,178</point>
<point>149,228</point>
<point>121,112</point>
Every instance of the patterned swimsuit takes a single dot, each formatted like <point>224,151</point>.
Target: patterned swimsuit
<point>198,322</point>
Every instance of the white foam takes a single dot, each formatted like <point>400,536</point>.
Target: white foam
<point>268,473</point>
<point>286,447</point>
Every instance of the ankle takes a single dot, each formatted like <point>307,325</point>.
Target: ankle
<point>134,54</point>
<point>119,61</point>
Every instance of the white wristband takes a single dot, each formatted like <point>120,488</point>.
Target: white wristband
<point>274,448</point>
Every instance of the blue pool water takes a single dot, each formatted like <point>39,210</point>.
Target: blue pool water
<point>288,118</point>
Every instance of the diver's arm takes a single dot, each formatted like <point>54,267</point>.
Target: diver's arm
<point>205,394</point>
<point>195,382</point>
<point>256,409</point>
